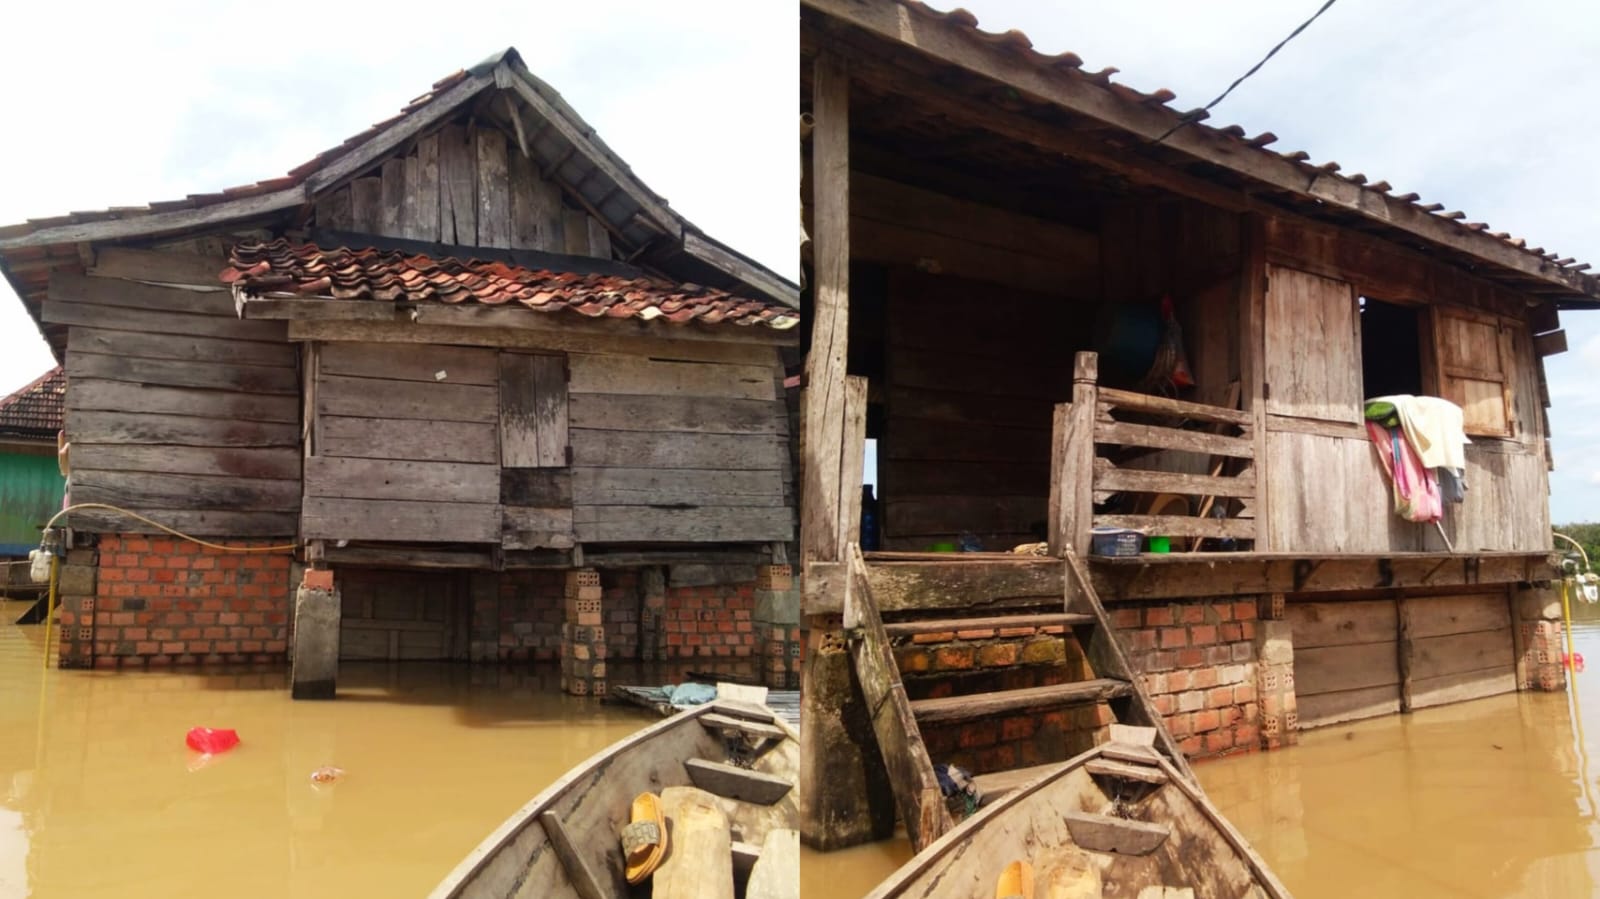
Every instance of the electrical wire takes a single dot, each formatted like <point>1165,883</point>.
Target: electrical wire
<point>1192,117</point>
<point>284,547</point>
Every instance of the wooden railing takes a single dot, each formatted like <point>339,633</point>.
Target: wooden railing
<point>1093,450</point>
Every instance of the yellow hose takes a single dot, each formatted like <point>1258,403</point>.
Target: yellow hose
<point>1566,624</point>
<point>49,610</point>
<point>285,547</point>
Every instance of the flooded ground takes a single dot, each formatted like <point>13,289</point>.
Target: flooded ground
<point>1487,799</point>
<point>99,797</point>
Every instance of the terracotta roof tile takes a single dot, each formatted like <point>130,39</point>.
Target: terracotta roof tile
<point>35,410</point>
<point>340,273</point>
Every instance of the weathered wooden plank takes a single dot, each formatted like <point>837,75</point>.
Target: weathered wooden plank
<point>968,408</point>
<point>366,205</point>
<point>1027,700</point>
<point>631,449</point>
<point>701,867</point>
<point>1181,525</point>
<point>1342,623</point>
<point>146,321</point>
<point>379,438</point>
<point>1135,481</point>
<point>1328,669</point>
<point>533,411</point>
<point>198,523</point>
<point>1144,402</point>
<point>941,515</point>
<point>1323,709</point>
<point>544,487</point>
<point>676,487</point>
<point>525,527</point>
<point>127,264</point>
<point>494,199</point>
<point>575,232</point>
<point>337,477</point>
<point>395,398</point>
<point>776,874</point>
<point>121,396</point>
<point>333,211</point>
<point>901,243</point>
<point>910,438</point>
<point>520,328</point>
<point>599,238</point>
<point>327,518</point>
<point>1126,434</point>
<point>925,477</point>
<point>1458,653</point>
<point>719,257</point>
<point>412,178</point>
<point>433,363</point>
<point>733,782</point>
<point>458,200</point>
<point>135,427</point>
<point>939,585</point>
<point>141,490</point>
<point>1123,836</point>
<point>526,221</point>
<point>425,223</point>
<point>545,208</point>
<point>180,348</point>
<point>1443,689</point>
<point>695,414</point>
<point>278,463</point>
<point>654,377</point>
<point>1225,574</point>
<point>621,524</point>
<point>953,372</point>
<point>1436,616</point>
<point>1305,310</point>
<point>583,880</point>
<point>205,375</point>
<point>162,222</point>
<point>392,197</point>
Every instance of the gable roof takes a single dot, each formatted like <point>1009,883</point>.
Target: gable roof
<point>281,268</point>
<point>549,130</point>
<point>1145,129</point>
<point>35,410</point>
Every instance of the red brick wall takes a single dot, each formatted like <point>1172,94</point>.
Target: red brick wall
<point>708,622</point>
<point>620,608</point>
<point>165,601</point>
<point>1199,664</point>
<point>530,613</point>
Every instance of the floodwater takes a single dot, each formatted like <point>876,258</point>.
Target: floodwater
<point>1485,799</point>
<point>99,796</point>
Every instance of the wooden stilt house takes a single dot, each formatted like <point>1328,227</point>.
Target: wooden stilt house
<point>467,363</point>
<point>1054,303</point>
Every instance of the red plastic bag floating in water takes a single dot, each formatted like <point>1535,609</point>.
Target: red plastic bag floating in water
<point>212,740</point>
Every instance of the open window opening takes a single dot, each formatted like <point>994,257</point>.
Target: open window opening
<point>1391,349</point>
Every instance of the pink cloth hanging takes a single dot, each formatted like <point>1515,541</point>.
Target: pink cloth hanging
<point>1416,489</point>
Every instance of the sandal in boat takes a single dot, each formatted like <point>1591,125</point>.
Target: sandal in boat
<point>1016,882</point>
<point>644,839</point>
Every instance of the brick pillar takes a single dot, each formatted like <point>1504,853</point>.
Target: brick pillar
<point>484,594</point>
<point>777,627</point>
<point>1274,645</point>
<point>314,671</point>
<point>1538,638</point>
<point>583,637</point>
<point>652,614</point>
<point>75,589</point>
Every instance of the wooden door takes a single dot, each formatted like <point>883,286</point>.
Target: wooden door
<point>1313,347</point>
<point>402,615</point>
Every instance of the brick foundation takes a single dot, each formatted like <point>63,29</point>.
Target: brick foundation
<point>1199,664</point>
<point>583,641</point>
<point>164,601</point>
<point>1539,640</point>
<point>710,621</point>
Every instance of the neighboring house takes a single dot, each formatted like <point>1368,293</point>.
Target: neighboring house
<point>31,484</point>
<point>468,363</point>
<point>980,217</point>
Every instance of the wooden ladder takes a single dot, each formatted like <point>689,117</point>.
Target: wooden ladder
<point>897,719</point>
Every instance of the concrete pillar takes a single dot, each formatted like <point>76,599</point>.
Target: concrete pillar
<point>652,614</point>
<point>1280,716</point>
<point>1536,633</point>
<point>845,797</point>
<point>76,584</point>
<point>583,637</point>
<point>314,671</point>
<point>776,620</point>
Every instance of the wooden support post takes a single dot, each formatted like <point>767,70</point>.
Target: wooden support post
<point>1072,480</point>
<point>1252,377</point>
<point>844,789</point>
<point>852,459</point>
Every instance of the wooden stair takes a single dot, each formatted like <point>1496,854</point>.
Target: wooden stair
<point>897,720</point>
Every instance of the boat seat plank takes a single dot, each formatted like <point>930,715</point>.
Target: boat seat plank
<point>578,872</point>
<point>1103,833</point>
<point>732,782</point>
<point>734,708</point>
<point>719,722</point>
<point>1121,752</point>
<point>995,784</point>
<point>988,622</point>
<point>777,872</point>
<point>1010,702</point>
<point>699,862</point>
<point>1110,768</point>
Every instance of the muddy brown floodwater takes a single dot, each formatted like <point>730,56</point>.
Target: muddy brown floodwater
<point>1486,799</point>
<point>99,797</point>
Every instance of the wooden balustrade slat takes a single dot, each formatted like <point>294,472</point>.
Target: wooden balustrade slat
<point>1181,525</point>
<point>1174,439</point>
<point>1143,402</point>
<point>1135,481</point>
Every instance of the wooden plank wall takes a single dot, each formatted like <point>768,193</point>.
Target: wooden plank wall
<point>668,450</point>
<point>405,446</point>
<point>973,371</point>
<point>463,185</point>
<point>1346,665</point>
<point>176,409</point>
<point>1456,648</point>
<point>535,473</point>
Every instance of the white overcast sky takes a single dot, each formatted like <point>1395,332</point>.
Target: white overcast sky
<point>1484,107</point>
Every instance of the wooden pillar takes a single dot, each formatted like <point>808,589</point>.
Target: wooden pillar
<point>1252,359</point>
<point>844,795</point>
<point>1072,471</point>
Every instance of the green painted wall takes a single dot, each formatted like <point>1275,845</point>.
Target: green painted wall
<point>31,487</point>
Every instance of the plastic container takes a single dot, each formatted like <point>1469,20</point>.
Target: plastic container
<point>1161,544</point>
<point>1115,542</point>
<point>942,548</point>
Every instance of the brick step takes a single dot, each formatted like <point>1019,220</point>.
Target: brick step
<point>1007,702</point>
<point>989,623</point>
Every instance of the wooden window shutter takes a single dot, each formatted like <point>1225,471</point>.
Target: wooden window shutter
<point>533,411</point>
<point>1313,347</point>
<point>1474,356</point>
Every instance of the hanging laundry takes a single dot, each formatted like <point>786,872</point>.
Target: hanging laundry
<point>1416,490</point>
<point>1433,428</point>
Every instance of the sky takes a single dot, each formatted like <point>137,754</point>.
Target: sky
<point>1480,106</point>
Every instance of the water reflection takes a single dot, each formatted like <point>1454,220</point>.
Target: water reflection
<point>99,796</point>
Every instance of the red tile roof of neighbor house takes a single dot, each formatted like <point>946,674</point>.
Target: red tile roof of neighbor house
<point>281,267</point>
<point>35,410</point>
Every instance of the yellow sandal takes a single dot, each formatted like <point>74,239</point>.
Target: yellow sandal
<point>644,839</point>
